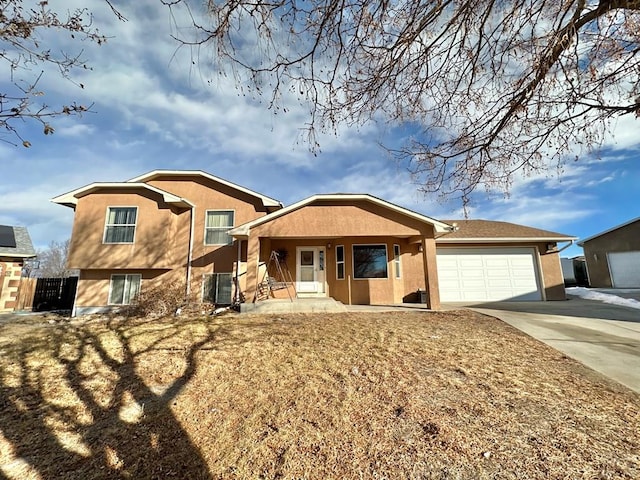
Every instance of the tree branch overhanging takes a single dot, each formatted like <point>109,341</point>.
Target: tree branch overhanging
<point>496,89</point>
<point>25,56</point>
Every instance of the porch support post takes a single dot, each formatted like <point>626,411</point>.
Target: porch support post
<point>430,272</point>
<point>253,256</point>
<point>236,294</point>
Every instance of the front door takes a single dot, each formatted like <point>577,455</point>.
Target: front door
<point>310,268</point>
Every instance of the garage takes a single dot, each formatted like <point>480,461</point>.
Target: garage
<point>488,274</point>
<point>625,269</point>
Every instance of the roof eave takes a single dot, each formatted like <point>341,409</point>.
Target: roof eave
<point>240,232</point>
<point>505,239</point>
<point>438,226</point>
<point>70,199</point>
<point>613,229</point>
<point>18,255</point>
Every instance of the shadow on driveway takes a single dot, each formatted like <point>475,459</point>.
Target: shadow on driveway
<point>574,307</point>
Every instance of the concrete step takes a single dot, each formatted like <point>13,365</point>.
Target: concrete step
<point>298,305</point>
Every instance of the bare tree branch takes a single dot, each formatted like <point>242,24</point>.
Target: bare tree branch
<point>494,89</point>
<point>22,51</point>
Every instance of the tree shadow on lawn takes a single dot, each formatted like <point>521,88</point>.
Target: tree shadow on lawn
<point>94,401</point>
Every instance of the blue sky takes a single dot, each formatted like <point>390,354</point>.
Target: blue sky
<point>154,110</point>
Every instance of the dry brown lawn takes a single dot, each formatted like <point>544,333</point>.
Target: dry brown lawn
<point>360,395</point>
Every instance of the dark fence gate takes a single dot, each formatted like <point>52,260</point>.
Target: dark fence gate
<point>55,294</point>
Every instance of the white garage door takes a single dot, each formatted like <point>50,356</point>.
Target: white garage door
<point>625,269</point>
<point>487,274</point>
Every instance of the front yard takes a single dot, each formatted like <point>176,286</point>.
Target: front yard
<point>358,395</point>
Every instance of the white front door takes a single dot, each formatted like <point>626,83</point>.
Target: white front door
<point>310,270</point>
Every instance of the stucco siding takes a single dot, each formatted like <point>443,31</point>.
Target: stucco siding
<point>161,233</point>
<point>328,220</point>
<point>623,239</point>
<point>93,285</point>
<point>350,290</point>
<point>208,195</point>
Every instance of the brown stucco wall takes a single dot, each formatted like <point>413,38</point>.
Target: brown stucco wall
<point>339,224</point>
<point>332,219</point>
<point>93,285</point>
<point>209,195</point>
<point>623,239</point>
<point>363,291</point>
<point>161,237</point>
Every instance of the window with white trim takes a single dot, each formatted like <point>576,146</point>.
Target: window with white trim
<point>370,261</point>
<point>123,289</point>
<point>217,288</point>
<point>340,262</point>
<point>120,226</point>
<point>396,259</point>
<point>218,223</point>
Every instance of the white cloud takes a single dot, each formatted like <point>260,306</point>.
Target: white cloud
<point>156,110</point>
<point>74,130</point>
<point>542,211</point>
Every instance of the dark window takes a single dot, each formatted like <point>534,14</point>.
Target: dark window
<point>7,237</point>
<point>370,261</point>
<point>217,288</point>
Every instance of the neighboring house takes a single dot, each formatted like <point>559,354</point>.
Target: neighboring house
<point>613,256</point>
<point>15,247</point>
<point>574,271</point>
<point>169,226</point>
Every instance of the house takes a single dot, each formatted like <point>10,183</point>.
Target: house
<point>15,248</point>
<point>190,226</point>
<point>613,256</point>
<point>574,271</point>
<point>162,228</point>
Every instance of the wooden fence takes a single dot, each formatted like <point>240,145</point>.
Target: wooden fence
<point>43,294</point>
<point>25,293</point>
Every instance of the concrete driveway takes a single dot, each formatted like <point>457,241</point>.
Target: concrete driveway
<point>602,336</point>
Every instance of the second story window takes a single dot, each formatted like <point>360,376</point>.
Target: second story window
<point>120,226</point>
<point>218,223</point>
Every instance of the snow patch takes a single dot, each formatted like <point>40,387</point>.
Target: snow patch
<point>588,294</point>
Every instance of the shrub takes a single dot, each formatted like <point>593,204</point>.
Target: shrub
<point>158,301</point>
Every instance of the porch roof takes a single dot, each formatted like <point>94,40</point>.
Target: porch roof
<point>242,231</point>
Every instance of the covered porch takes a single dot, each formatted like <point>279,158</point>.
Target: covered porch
<point>355,249</point>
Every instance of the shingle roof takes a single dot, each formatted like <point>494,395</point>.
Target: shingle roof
<point>24,247</point>
<point>490,229</point>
